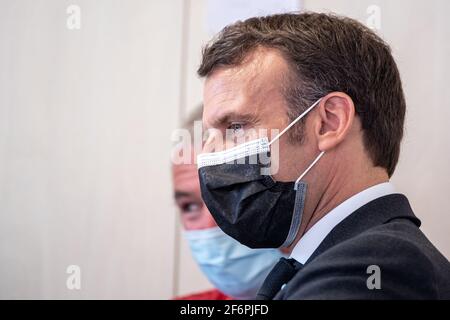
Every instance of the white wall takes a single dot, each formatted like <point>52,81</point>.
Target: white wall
<point>85,123</point>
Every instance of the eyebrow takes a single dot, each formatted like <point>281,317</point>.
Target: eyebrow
<point>182,194</point>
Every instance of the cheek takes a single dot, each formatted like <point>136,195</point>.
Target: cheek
<point>203,220</point>
<point>208,219</point>
<point>185,222</point>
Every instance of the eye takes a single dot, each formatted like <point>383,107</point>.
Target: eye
<point>237,128</point>
<point>190,207</point>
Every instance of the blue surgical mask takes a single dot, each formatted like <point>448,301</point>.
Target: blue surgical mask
<point>231,267</point>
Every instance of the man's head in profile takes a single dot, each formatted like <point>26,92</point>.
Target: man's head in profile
<point>336,82</point>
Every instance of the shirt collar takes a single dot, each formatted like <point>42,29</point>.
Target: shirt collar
<point>313,238</point>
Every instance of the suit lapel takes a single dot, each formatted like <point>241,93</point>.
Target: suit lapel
<point>374,213</point>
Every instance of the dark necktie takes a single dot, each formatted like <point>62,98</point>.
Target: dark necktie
<point>283,271</point>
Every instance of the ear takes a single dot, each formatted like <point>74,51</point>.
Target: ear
<point>336,114</point>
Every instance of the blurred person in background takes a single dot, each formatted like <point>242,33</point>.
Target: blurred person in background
<point>236,271</point>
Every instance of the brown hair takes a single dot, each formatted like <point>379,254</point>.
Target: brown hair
<point>326,53</point>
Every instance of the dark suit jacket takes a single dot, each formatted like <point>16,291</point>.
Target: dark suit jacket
<point>384,233</point>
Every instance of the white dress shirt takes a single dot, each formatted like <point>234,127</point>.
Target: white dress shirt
<point>314,237</point>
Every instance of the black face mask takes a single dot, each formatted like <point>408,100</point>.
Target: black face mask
<point>250,207</point>
<point>245,201</point>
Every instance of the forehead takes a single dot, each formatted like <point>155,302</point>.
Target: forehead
<point>185,175</point>
<point>247,87</point>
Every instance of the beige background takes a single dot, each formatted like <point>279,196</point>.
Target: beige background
<point>85,123</point>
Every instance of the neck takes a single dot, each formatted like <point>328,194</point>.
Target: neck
<point>340,186</point>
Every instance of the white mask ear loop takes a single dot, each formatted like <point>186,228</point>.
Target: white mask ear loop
<point>309,168</point>
<point>295,121</point>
